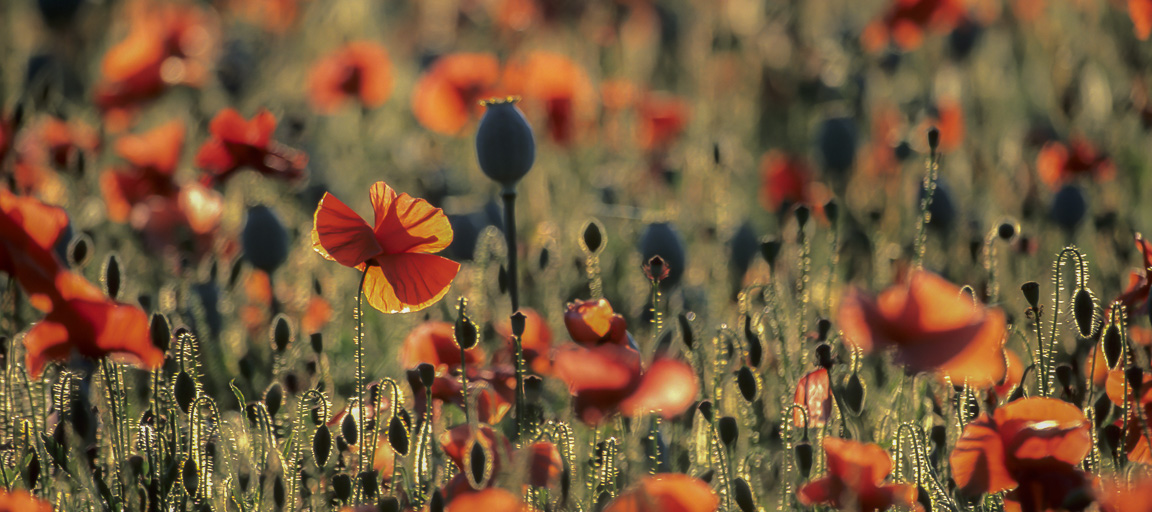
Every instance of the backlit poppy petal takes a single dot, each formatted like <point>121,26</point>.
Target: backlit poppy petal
<point>202,207</point>
<point>340,235</point>
<point>605,367</point>
<point>821,490</point>
<point>544,464</point>
<point>20,500</point>
<point>978,460</point>
<point>857,464</point>
<point>666,492</point>
<point>1141,13</point>
<point>1044,428</point>
<point>46,341</point>
<point>447,95</point>
<point>434,343</point>
<point>813,392</point>
<point>403,283</point>
<point>158,149</point>
<point>488,500</point>
<point>408,224</point>
<point>668,387</point>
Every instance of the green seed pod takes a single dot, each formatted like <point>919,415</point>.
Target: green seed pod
<point>185,391</point>
<point>519,321</point>
<point>1084,311</point>
<point>505,145</point>
<point>321,445</point>
<point>465,331</point>
<point>743,495</point>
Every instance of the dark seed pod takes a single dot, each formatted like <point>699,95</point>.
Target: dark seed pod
<point>1069,206</point>
<point>160,332</point>
<point>519,322</point>
<point>321,445</point>
<point>1112,436</point>
<point>398,435</point>
<point>427,374</point>
<point>706,409</point>
<point>279,494</point>
<point>342,486</point>
<point>465,331</point>
<point>1113,345</point>
<point>479,468</point>
<point>388,504</point>
<point>368,482</point>
<point>185,391</point>
<point>770,249</point>
<point>190,476</point>
<point>686,333</point>
<point>436,504</point>
<point>1102,409</point>
<point>1007,231</point>
<point>317,341</point>
<point>1065,375</point>
<point>933,138</point>
<point>1135,376</point>
<point>746,381</point>
<point>1031,291</point>
<point>755,348</point>
<point>803,453</point>
<point>274,398</point>
<point>729,431</point>
<point>853,394</point>
<point>112,277</point>
<point>348,428</point>
<point>1084,311</point>
<point>824,356</point>
<point>923,498</point>
<point>743,495</point>
<point>281,333</point>
<point>592,237</point>
<point>79,251</point>
<point>802,213</point>
<point>823,327</point>
<point>32,471</point>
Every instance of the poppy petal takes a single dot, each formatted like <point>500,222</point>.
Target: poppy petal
<point>672,492</point>
<point>45,341</point>
<point>822,490</point>
<point>1044,428</point>
<point>813,392</point>
<point>668,387</point>
<point>340,235</point>
<point>978,461</point>
<point>407,224</point>
<point>158,149</point>
<point>404,283</point>
<point>489,500</point>
<point>606,367</point>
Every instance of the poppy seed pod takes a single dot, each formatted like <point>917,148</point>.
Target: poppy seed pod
<point>505,146</point>
<point>265,240</point>
<point>661,239</point>
<point>1068,207</point>
<point>1031,291</point>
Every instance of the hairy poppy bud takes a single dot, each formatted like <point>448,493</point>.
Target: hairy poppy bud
<point>317,341</point>
<point>854,394</point>
<point>160,332</point>
<point>274,398</point>
<point>321,445</point>
<point>505,146</point>
<point>803,453</point>
<point>1135,376</point>
<point>190,476</point>
<point>686,333</point>
<point>729,430</point>
<point>185,391</point>
<point>519,320</point>
<point>746,382</point>
<point>706,409</point>
<point>743,495</point>
<point>592,237</point>
<point>427,374</point>
<point>1113,345</point>
<point>803,213</point>
<point>264,238</point>
<point>1007,230</point>
<point>398,435</point>
<point>933,138</point>
<point>770,249</point>
<point>342,484</point>
<point>1084,311</point>
<point>661,239</point>
<point>281,333</point>
<point>823,326</point>
<point>348,428</point>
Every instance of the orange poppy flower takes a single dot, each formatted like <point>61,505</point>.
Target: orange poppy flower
<point>277,16</point>
<point>785,180</point>
<point>29,232</point>
<point>360,70</point>
<point>593,322</point>
<point>856,474</point>
<point>814,393</point>
<point>545,464</point>
<point>448,94</point>
<point>1119,495</point>
<point>237,144</point>
<point>932,326</point>
<point>435,343</point>
<point>400,273</point>
<point>665,492</point>
<point>1058,164</point>
<point>661,120</point>
<point>558,86</point>
<point>19,500</point>
<point>1029,446</point>
<point>606,379</point>
<point>1014,372</point>
<point>153,157</point>
<point>64,139</point>
<point>1135,297</point>
<point>906,21</point>
<point>1141,13</point>
<point>1136,441</point>
<point>536,341</point>
<point>458,440</point>
<point>948,117</point>
<point>489,500</point>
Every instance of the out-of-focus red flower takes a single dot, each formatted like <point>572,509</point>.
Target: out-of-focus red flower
<point>1135,296</point>
<point>167,44</point>
<point>1014,372</point>
<point>277,16</point>
<point>1141,13</point>
<point>536,341</point>
<point>557,86</point>
<point>492,499</point>
<point>401,274</point>
<point>661,118</point>
<point>435,343</point>
<point>18,500</point>
<point>906,21</point>
<point>948,117</point>
<point>1030,447</point>
<point>856,474</point>
<point>1120,495</point>
<point>361,70</point>
<point>457,442</point>
<point>607,378</point>
<point>237,144</point>
<point>1058,164</point>
<point>545,465</point>
<point>63,139</point>
<point>152,159</point>
<point>785,179</point>
<point>49,144</point>
<point>1122,392</point>
<point>932,326</point>
<point>593,322</point>
<point>447,96</point>
<point>814,394</point>
<point>666,492</point>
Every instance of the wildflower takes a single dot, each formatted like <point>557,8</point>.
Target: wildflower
<point>856,474</point>
<point>360,70</point>
<point>1058,164</point>
<point>1120,495</point>
<point>237,144</point>
<point>432,343</point>
<point>661,120</point>
<point>447,95</point>
<point>559,87</point>
<point>666,491</point>
<point>785,180</point>
<point>1135,296</point>
<point>536,341</point>
<point>662,239</point>
<point>400,273</point>
<point>606,379</point>
<point>814,393</point>
<point>593,323</point>
<point>1141,13</point>
<point>906,21</point>
<point>545,464</point>
<point>19,499</point>
<point>931,326</point>
<point>1030,447</point>
<point>152,159</point>
<point>505,146</point>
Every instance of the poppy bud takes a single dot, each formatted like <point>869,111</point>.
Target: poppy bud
<point>746,382</point>
<point>933,138</point>
<point>1007,230</point>
<point>274,398</point>
<point>832,211</point>
<point>505,146</point>
<point>519,320</point>
<point>707,476</point>
<point>190,476</point>
<point>803,453</point>
<point>686,330</point>
<point>802,213</point>
<point>342,485</point>
<point>729,430</point>
<point>1064,375</point>
<point>159,331</point>
<point>824,356</point>
<point>389,504</point>
<point>112,277</point>
<point>853,394</point>
<point>1103,409</point>
<point>436,504</point>
<point>823,326</point>
<point>1113,345</point>
<point>770,249</point>
<point>321,445</point>
<point>317,341</point>
<point>427,374</point>
<point>661,239</point>
<point>1084,311</point>
<point>1031,291</point>
<point>185,391</point>
<point>836,140</point>
<point>592,238</point>
<point>264,239</point>
<point>655,268</point>
<point>1068,207</point>
<point>755,349</point>
<point>281,333</point>
<point>743,494</point>
<point>278,492</point>
<point>78,251</point>
<point>348,428</point>
<point>1135,377</point>
<point>479,468</point>
<point>398,435</point>
<point>706,409</point>
<point>368,482</point>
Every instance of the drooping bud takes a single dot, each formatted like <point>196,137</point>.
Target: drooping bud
<point>505,145</point>
<point>1084,311</point>
<point>854,394</point>
<point>803,453</point>
<point>321,445</point>
<point>743,495</point>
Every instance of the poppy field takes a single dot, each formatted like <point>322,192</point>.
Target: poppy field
<point>564,255</point>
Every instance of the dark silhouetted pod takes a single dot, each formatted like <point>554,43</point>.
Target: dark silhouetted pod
<point>803,453</point>
<point>479,465</point>
<point>1084,311</point>
<point>746,382</point>
<point>1113,345</point>
<point>743,495</point>
<point>505,146</point>
<point>185,391</point>
<point>854,394</point>
<point>274,398</point>
<point>160,332</point>
<point>348,428</point>
<point>398,435</point>
<point>281,333</point>
<point>190,476</point>
<point>729,430</point>
<point>1031,291</point>
<point>661,239</point>
<point>112,276</point>
<point>321,445</point>
<point>264,239</point>
<point>342,486</point>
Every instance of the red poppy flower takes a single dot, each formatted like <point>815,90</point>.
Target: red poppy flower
<point>277,16</point>
<point>491,391</point>
<point>606,379</point>
<point>1120,495</point>
<point>448,94</point>
<point>435,343</point>
<point>168,44</point>
<point>64,139</point>
<point>536,341</point>
<point>661,118</point>
<point>457,441</point>
<point>559,87</point>
<point>1141,13</point>
<point>1014,372</point>
<point>29,232</point>
<point>545,465</point>
<point>906,21</point>
<point>593,322</point>
<point>856,474</point>
<point>932,326</point>
<point>19,500</point>
<point>237,144</point>
<point>666,492</point>
<point>1058,164</point>
<point>814,393</point>
<point>401,274</point>
<point>1135,297</point>
<point>1136,440</point>
<point>153,157</point>
<point>1030,446</point>
<point>949,119</point>
<point>360,70</point>
<point>489,500</point>
<point>785,180</point>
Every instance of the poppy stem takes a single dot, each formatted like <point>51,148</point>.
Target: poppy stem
<point>359,314</point>
<point>925,204</point>
<point>509,196</point>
